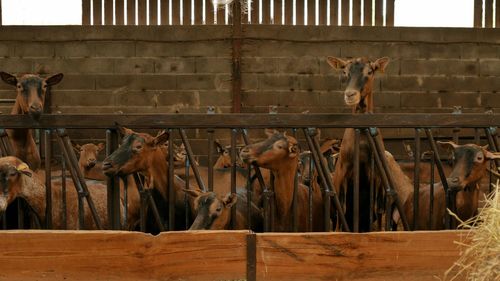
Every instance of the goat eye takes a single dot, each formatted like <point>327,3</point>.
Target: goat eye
<point>12,174</point>
<point>218,209</point>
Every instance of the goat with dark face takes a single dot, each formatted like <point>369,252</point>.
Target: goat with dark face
<point>31,91</point>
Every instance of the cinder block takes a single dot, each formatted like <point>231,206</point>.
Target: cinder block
<point>77,82</point>
<point>260,65</point>
<point>480,51</point>
<point>34,50</point>
<point>319,82</point>
<point>75,66</point>
<point>386,100</point>
<point>299,65</point>
<point>74,49</point>
<point>278,82</point>
<point>440,67</point>
<point>155,49</point>
<point>174,65</point>
<point>113,49</point>
<point>249,82</point>
<point>490,67</point>
<point>213,65</point>
<point>16,65</point>
<point>196,82</point>
<point>417,100</point>
<point>133,65</point>
<point>252,99</point>
<point>135,82</point>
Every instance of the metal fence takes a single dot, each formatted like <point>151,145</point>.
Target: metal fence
<point>303,126</point>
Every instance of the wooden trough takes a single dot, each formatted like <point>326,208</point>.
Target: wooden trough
<point>226,255</point>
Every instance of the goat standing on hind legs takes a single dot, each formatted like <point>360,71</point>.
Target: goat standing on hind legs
<point>360,74</point>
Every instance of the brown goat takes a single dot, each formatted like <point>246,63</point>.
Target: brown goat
<point>214,211</point>
<point>87,161</point>
<point>18,180</point>
<point>280,154</point>
<point>470,166</point>
<point>31,90</point>
<point>360,74</point>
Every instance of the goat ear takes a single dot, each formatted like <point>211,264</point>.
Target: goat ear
<point>219,147</point>
<point>24,169</point>
<point>491,155</point>
<point>447,144</point>
<point>192,192</point>
<point>293,150</point>
<point>54,79</point>
<point>8,78</point>
<point>100,146</point>
<point>380,64</point>
<point>161,138</point>
<point>229,200</point>
<point>336,63</point>
<point>123,130</point>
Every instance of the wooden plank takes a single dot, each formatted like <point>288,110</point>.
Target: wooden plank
<point>278,9</point>
<point>85,12</point>
<point>478,13</point>
<point>97,12</point>
<point>209,10</point>
<point>488,13</point>
<point>119,6</point>
<point>369,256</point>
<point>345,13</point>
<point>130,12</point>
<point>368,11</point>
<point>288,120</point>
<point>164,12</point>
<point>299,12</point>
<point>389,14</point>
<point>334,12</point>
<point>198,12</point>
<point>255,10</point>
<point>356,12</point>
<point>108,12</point>
<point>221,15</point>
<point>497,14</point>
<point>323,12</point>
<point>153,12</point>
<point>142,12</point>
<point>120,255</point>
<point>176,12</point>
<point>311,12</point>
<point>288,12</point>
<point>186,11</point>
<point>379,12</point>
<point>266,11</point>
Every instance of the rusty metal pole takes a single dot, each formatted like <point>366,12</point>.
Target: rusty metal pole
<point>186,202</point>
<point>295,221</point>
<point>310,197</point>
<point>236,42</point>
<point>431,197</point>
<point>48,180</point>
<point>372,190</point>
<point>210,140</point>
<point>234,135</point>
<point>113,184</point>
<point>64,204</point>
<point>416,179</point>
<point>356,182</point>
<point>171,190</point>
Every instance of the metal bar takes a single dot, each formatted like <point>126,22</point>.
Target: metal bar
<point>154,209</point>
<point>355,172</point>
<point>171,190</point>
<point>251,257</point>
<point>221,15</point>
<point>109,183</point>
<point>153,12</point>
<point>389,13</point>
<point>381,161</point>
<point>295,219</point>
<point>146,197</point>
<point>48,181</point>
<point>310,197</point>
<point>189,152</point>
<point>142,196</point>
<point>249,197</point>
<point>108,12</point>
<point>327,181</point>
<point>186,10</point>
<point>131,13</point>
<point>234,135</point>
<point>439,166</point>
<point>278,8</point>
<point>323,12</point>
<point>368,12</point>
<point>21,205</point>
<point>379,13</point>
<point>488,13</point>
<point>311,12</point>
<point>356,12</point>
<point>125,202</point>
<point>119,9</point>
<point>86,12</point>
<point>210,137</point>
<point>416,178</point>
<point>299,12</point>
<point>78,176</point>
<point>477,136</point>
<point>64,203</point>
<point>186,203</point>
<point>176,12</point>
<point>97,7</point>
<point>209,9</point>
<point>141,12</point>
<point>431,197</point>
<point>271,202</point>
<point>372,190</point>
<point>288,12</point>
<point>251,120</point>
<point>345,12</point>
<point>198,12</point>
<point>113,182</point>
<point>165,12</point>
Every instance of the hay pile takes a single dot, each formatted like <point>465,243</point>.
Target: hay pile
<point>480,259</point>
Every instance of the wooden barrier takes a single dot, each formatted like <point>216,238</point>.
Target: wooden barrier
<point>225,255</point>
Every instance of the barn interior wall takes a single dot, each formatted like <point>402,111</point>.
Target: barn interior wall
<point>184,69</point>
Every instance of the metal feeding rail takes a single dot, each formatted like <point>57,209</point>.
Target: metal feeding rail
<point>366,126</point>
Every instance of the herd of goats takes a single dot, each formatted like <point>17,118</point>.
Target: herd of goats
<point>278,157</point>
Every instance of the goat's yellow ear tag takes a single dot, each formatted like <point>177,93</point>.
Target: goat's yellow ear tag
<point>22,167</point>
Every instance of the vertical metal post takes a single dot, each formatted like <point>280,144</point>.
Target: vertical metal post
<point>210,136</point>
<point>356,182</point>
<point>295,221</point>
<point>234,134</point>
<point>171,189</point>
<point>48,181</point>
<point>186,203</point>
<point>416,179</point>
<point>477,136</point>
<point>64,208</point>
<point>113,184</point>
<point>125,201</point>
<point>236,57</point>
<point>190,154</point>
<point>310,197</point>
<point>431,197</point>
<point>249,197</point>
<point>372,190</point>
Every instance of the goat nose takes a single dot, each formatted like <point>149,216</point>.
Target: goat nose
<point>92,160</point>
<point>350,93</point>
<point>35,108</point>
